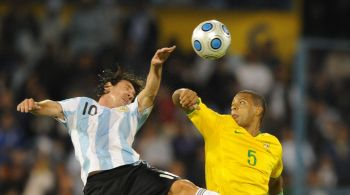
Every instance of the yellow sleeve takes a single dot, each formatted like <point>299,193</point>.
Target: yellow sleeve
<point>276,172</point>
<point>204,120</point>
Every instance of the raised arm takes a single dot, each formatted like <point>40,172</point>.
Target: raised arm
<point>148,94</point>
<point>185,99</point>
<point>203,118</point>
<point>43,108</point>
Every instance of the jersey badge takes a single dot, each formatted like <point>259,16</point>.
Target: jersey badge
<point>267,147</point>
<point>122,109</point>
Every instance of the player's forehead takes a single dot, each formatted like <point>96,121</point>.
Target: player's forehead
<point>126,83</point>
<point>242,96</point>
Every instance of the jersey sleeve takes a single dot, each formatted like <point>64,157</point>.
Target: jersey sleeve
<point>276,172</point>
<point>141,117</point>
<point>204,119</point>
<point>69,108</point>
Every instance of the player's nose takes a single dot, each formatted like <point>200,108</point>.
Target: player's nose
<point>130,96</point>
<point>233,107</point>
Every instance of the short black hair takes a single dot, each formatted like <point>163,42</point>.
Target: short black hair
<point>108,75</point>
<point>259,100</point>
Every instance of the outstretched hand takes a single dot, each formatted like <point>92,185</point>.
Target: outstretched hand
<point>27,105</point>
<point>162,55</point>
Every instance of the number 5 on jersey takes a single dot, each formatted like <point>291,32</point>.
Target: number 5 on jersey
<point>251,157</point>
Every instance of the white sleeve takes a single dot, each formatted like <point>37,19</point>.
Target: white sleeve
<point>141,117</point>
<point>69,108</point>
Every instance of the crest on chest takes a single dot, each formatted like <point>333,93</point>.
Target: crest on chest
<point>267,147</point>
<point>122,109</point>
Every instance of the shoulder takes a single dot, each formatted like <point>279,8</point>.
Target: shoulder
<point>272,140</point>
<point>270,137</point>
<point>133,106</point>
<point>77,102</point>
<point>77,99</point>
<point>83,101</point>
<point>87,99</point>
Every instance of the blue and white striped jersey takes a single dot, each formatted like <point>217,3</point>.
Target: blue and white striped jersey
<point>102,137</point>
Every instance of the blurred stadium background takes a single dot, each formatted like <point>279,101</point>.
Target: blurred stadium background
<point>295,53</point>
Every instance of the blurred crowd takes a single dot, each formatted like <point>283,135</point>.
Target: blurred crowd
<point>43,57</point>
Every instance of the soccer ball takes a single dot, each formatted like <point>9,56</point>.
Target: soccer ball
<point>211,39</point>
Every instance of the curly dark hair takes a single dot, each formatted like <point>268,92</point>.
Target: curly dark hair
<point>114,77</point>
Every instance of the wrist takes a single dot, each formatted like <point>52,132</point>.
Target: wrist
<point>156,65</point>
<point>194,107</point>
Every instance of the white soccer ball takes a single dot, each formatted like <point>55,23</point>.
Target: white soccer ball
<point>211,39</point>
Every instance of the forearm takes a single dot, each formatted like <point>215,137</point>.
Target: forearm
<point>153,81</point>
<point>276,186</point>
<point>48,108</point>
<point>149,93</point>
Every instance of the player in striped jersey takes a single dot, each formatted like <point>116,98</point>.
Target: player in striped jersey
<point>239,158</point>
<point>102,133</point>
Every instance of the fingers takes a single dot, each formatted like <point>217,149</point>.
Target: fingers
<point>172,48</point>
<point>188,99</point>
<point>36,106</point>
<point>23,106</point>
<point>166,50</point>
<point>27,105</point>
<point>162,55</point>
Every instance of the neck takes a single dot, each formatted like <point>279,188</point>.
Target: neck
<point>105,101</point>
<point>253,128</point>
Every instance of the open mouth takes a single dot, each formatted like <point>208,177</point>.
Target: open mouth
<point>235,116</point>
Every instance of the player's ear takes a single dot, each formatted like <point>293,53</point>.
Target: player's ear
<point>258,110</point>
<point>107,87</point>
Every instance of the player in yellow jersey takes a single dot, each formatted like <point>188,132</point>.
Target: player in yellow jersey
<point>239,158</point>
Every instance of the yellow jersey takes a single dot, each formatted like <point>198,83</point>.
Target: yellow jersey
<point>235,161</point>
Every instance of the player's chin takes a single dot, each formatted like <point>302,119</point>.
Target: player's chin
<point>235,117</point>
<point>239,122</point>
<point>124,102</point>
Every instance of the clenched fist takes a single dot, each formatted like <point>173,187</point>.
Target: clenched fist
<point>186,98</point>
<point>28,105</point>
